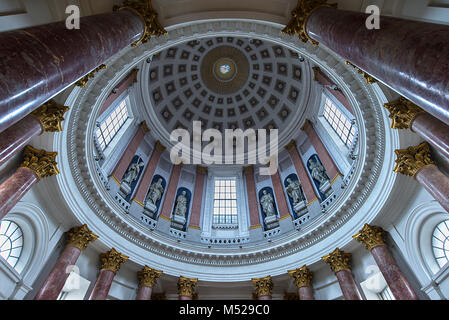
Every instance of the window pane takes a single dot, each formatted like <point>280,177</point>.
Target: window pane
<point>440,243</point>
<point>11,242</point>
<point>339,123</point>
<point>225,201</point>
<point>112,124</point>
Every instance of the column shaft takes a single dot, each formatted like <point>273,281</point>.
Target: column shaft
<point>55,281</point>
<point>281,200</point>
<point>390,54</point>
<point>144,293</point>
<point>399,285</point>
<point>436,183</point>
<point>433,131</point>
<point>57,57</point>
<point>306,293</point>
<point>14,188</point>
<point>254,216</point>
<point>102,285</point>
<point>197,199</point>
<point>347,285</point>
<point>171,192</point>
<point>16,137</point>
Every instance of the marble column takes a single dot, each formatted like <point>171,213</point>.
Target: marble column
<point>147,279</point>
<point>340,264</point>
<point>186,288</point>
<point>111,262</point>
<point>58,57</point>
<point>417,162</point>
<point>303,280</point>
<point>407,115</point>
<point>328,163</point>
<point>37,164</point>
<point>414,48</point>
<point>373,238</point>
<point>198,197</point>
<point>254,217</point>
<point>171,191</point>
<point>264,287</point>
<point>78,238</point>
<point>309,191</point>
<point>281,200</point>
<point>47,118</point>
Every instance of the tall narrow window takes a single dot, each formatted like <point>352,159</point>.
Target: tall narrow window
<point>108,129</point>
<point>339,123</point>
<point>440,243</point>
<point>11,242</point>
<point>225,202</point>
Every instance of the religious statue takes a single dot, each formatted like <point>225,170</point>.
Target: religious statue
<point>181,205</point>
<point>317,172</point>
<point>267,202</point>
<point>156,191</point>
<point>294,191</point>
<point>133,172</point>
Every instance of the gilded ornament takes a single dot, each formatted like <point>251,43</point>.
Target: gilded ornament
<point>291,145</point>
<point>302,276</point>
<point>84,80</point>
<point>300,16</point>
<point>402,112</point>
<point>50,115</point>
<point>186,286</point>
<point>409,161</point>
<point>316,72</point>
<point>41,162</point>
<point>338,260</point>
<point>264,286</point>
<point>159,146</point>
<point>144,9</point>
<point>80,237</point>
<point>369,79</point>
<point>112,260</point>
<point>248,169</point>
<point>145,127</point>
<point>201,170</point>
<point>371,236</point>
<point>307,124</point>
<point>148,276</point>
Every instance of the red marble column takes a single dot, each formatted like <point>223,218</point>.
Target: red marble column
<point>254,216</point>
<point>281,200</point>
<point>433,131</point>
<point>57,57</point>
<point>309,190</point>
<point>347,285</point>
<point>328,163</point>
<point>171,191</point>
<point>436,183</point>
<point>306,293</point>
<point>198,197</point>
<point>147,279</point>
<point>16,137</point>
<point>144,293</point>
<point>303,280</point>
<point>406,55</point>
<point>78,240</point>
<point>144,184</point>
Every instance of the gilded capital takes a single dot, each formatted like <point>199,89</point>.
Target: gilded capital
<point>409,161</point>
<point>144,127</point>
<point>186,286</point>
<point>316,72</point>
<point>50,115</point>
<point>248,169</point>
<point>148,277</point>
<point>144,9</point>
<point>80,237</point>
<point>84,80</point>
<point>402,113</point>
<point>369,79</point>
<point>201,170</point>
<point>159,146</point>
<point>307,124</point>
<point>302,276</point>
<point>291,145</point>
<point>338,260</point>
<point>300,16</point>
<point>264,286</point>
<point>112,260</point>
<point>41,162</point>
<point>371,236</point>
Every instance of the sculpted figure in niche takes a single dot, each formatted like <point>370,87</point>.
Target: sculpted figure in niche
<point>317,172</point>
<point>181,205</point>
<point>156,191</point>
<point>294,191</point>
<point>133,172</point>
<point>267,203</point>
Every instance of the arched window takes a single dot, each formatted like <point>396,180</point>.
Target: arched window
<point>440,243</point>
<point>11,242</point>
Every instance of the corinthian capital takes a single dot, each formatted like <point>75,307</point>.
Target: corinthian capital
<point>402,112</point>
<point>144,9</point>
<point>186,286</point>
<point>80,237</point>
<point>338,260</point>
<point>148,277</point>
<point>371,236</point>
<point>409,161</point>
<point>298,21</point>
<point>50,115</point>
<point>302,276</point>
<point>264,286</point>
<point>112,260</point>
<point>41,162</point>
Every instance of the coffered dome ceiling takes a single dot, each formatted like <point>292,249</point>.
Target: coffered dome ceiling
<point>226,83</point>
